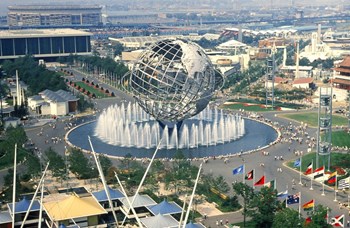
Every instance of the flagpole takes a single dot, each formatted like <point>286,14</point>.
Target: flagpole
<point>301,158</point>
<point>275,184</point>
<point>323,188</point>
<point>311,177</point>
<point>254,178</point>
<point>311,188</point>
<point>243,174</point>
<point>299,204</point>
<point>335,186</point>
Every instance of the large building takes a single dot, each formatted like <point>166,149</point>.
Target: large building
<point>54,15</point>
<point>45,43</point>
<point>341,77</point>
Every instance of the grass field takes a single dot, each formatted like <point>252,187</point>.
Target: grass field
<point>340,138</point>
<point>337,160</point>
<point>311,118</point>
<point>249,108</point>
<point>97,92</point>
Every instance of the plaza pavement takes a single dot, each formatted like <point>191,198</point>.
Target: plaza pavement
<point>218,166</point>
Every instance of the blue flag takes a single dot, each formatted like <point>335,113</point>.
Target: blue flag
<point>238,170</point>
<point>292,199</point>
<point>297,163</point>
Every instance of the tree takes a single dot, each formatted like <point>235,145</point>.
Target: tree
<point>263,207</point>
<point>80,165</point>
<point>247,193</point>
<point>57,163</point>
<point>287,217</point>
<point>118,48</point>
<point>106,163</point>
<point>319,218</point>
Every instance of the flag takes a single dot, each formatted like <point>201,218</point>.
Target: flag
<point>338,221</point>
<point>297,162</point>
<point>238,170</point>
<point>292,199</point>
<point>344,183</point>
<point>283,194</point>
<point>270,184</point>
<point>260,182</point>
<point>332,178</point>
<point>250,175</point>
<point>308,220</point>
<point>309,205</point>
<point>308,169</point>
<point>319,172</point>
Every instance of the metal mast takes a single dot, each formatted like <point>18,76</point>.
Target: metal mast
<point>324,133</point>
<point>270,78</point>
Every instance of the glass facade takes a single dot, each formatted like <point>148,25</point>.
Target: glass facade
<point>7,47</point>
<point>69,45</point>
<point>33,46</point>
<point>44,46</point>
<point>57,45</point>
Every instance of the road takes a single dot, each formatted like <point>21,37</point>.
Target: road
<point>217,167</point>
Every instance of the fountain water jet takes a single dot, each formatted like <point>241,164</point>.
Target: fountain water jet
<point>130,126</point>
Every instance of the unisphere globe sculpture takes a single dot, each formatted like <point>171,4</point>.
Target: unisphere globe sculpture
<point>173,80</point>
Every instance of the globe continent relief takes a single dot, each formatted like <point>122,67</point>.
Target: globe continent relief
<point>173,80</point>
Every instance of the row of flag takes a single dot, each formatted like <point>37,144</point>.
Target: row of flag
<point>320,172</point>
<point>337,221</point>
<point>250,176</point>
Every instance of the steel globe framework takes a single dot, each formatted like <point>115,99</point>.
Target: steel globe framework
<point>173,80</point>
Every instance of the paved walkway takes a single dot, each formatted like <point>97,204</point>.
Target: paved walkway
<point>219,167</point>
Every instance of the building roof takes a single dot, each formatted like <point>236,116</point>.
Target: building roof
<point>53,7</point>
<point>5,217</point>
<point>160,221</point>
<point>73,207</point>
<point>342,69</point>
<point>66,95</point>
<point>36,98</point>
<point>303,81</point>
<point>231,44</point>
<point>35,33</point>
<point>280,79</point>
<point>58,96</point>
<point>194,225</point>
<point>301,68</point>
<point>341,81</point>
<point>23,205</point>
<point>102,196</point>
<point>345,62</point>
<point>165,208</point>
<point>140,201</point>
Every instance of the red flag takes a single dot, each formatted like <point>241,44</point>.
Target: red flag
<point>309,169</point>
<point>250,175</point>
<point>260,182</point>
<point>307,220</point>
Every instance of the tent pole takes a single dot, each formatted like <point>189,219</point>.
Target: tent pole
<point>192,196</point>
<point>127,199</point>
<point>41,205</point>
<point>14,185</point>
<point>36,192</point>
<point>99,168</point>
<point>183,210</point>
<point>144,176</point>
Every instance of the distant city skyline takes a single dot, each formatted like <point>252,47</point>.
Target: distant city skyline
<point>159,4</point>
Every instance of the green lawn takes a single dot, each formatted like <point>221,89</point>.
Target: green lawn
<point>311,118</point>
<point>97,92</point>
<point>251,108</point>
<point>337,160</point>
<point>340,138</point>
